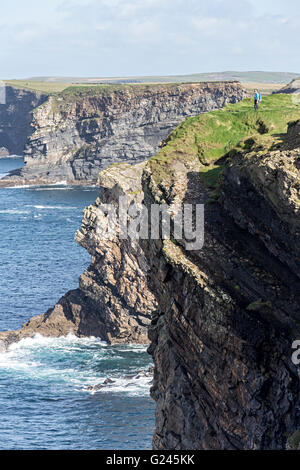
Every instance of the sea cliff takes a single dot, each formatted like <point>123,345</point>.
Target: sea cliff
<point>112,301</point>
<point>82,130</point>
<point>221,319</point>
<point>227,316</point>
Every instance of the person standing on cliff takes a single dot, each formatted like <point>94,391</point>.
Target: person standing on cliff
<point>257,99</point>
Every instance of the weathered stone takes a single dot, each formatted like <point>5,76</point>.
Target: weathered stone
<point>224,378</point>
<point>108,381</point>
<point>113,301</point>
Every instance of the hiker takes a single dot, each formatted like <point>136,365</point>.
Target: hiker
<point>257,99</point>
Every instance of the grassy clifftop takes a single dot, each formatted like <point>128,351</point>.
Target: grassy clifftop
<point>41,87</point>
<point>233,129</point>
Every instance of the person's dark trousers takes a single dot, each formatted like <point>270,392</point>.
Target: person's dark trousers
<point>256,105</point>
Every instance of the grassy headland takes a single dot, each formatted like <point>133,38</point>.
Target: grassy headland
<point>234,129</point>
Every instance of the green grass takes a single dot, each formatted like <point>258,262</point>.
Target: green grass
<point>235,128</point>
<point>75,91</point>
<point>43,87</point>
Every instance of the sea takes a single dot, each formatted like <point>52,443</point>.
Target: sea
<point>45,400</point>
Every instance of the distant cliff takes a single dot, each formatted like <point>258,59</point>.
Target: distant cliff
<point>16,118</point>
<point>82,130</point>
<point>292,87</point>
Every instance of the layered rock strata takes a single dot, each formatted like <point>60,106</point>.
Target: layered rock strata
<point>82,130</point>
<point>223,317</point>
<point>228,314</point>
<point>112,301</point>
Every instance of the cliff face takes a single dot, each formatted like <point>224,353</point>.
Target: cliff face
<point>15,119</point>
<point>228,314</point>
<point>112,301</point>
<point>223,317</point>
<point>82,130</point>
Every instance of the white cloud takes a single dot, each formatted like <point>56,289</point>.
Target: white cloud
<point>130,37</point>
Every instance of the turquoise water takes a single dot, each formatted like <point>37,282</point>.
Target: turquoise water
<point>44,400</point>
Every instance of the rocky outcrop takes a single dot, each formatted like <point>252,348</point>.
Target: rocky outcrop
<point>113,301</point>
<point>131,380</point>
<point>228,314</point>
<point>83,130</point>
<point>16,118</point>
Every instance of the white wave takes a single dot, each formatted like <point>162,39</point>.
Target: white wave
<point>21,186</point>
<point>47,188</point>
<point>52,342</point>
<point>68,187</point>
<point>39,187</point>
<point>41,357</point>
<point>136,346</point>
<point>55,207</point>
<point>13,211</point>
<point>130,386</point>
<point>69,361</point>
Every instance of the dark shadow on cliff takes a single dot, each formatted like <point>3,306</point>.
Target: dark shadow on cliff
<point>16,117</point>
<point>228,325</point>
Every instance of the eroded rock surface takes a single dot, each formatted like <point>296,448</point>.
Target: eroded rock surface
<point>113,301</point>
<point>228,314</point>
<point>223,317</point>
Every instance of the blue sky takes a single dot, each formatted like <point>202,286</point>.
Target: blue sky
<point>147,37</point>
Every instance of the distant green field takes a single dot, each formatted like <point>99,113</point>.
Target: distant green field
<point>269,80</point>
<point>44,87</point>
<point>68,87</point>
<point>261,77</point>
